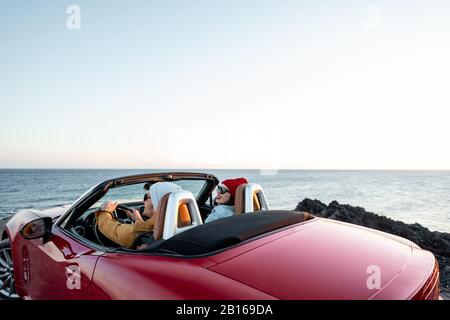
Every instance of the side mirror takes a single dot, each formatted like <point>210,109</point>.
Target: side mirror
<point>39,228</point>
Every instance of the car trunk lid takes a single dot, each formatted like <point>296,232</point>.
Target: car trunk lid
<point>327,260</point>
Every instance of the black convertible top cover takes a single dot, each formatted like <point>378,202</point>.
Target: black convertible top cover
<point>226,232</point>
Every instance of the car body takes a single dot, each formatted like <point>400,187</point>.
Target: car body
<point>267,254</point>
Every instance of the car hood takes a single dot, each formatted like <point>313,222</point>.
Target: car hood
<point>53,212</point>
<point>330,260</point>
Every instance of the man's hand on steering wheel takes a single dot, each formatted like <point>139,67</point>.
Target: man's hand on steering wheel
<point>131,213</point>
<point>109,206</point>
<point>134,215</point>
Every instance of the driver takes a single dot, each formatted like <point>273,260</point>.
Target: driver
<point>125,234</point>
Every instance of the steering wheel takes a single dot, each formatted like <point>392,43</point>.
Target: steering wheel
<point>120,214</point>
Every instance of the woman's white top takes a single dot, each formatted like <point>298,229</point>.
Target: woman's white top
<point>220,212</point>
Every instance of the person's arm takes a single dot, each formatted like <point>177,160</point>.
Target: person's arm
<point>123,234</point>
<point>144,226</point>
<point>139,224</point>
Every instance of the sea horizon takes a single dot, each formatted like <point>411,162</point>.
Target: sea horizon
<point>232,169</point>
<point>411,196</point>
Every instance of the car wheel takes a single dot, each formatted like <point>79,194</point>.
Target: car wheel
<point>7,286</point>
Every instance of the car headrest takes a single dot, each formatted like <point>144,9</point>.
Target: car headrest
<point>160,217</point>
<point>249,197</point>
<point>239,203</point>
<point>177,212</point>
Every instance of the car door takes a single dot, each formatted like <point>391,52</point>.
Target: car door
<point>61,268</point>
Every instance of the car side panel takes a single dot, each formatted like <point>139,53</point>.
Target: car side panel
<point>18,244</point>
<point>59,269</point>
<point>134,276</point>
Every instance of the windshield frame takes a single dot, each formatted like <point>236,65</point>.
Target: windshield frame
<point>99,191</point>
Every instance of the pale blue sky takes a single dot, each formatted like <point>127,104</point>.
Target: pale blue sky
<point>225,84</point>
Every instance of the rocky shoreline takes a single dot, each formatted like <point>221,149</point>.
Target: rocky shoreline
<point>436,242</point>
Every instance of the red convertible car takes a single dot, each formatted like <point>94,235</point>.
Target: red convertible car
<point>256,254</point>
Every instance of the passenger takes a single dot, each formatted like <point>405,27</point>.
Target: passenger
<point>224,201</point>
<point>125,234</point>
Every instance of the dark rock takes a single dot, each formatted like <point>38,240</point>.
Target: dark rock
<point>436,242</point>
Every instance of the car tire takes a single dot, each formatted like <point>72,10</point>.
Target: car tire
<point>7,286</point>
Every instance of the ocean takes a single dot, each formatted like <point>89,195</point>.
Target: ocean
<point>408,196</point>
